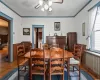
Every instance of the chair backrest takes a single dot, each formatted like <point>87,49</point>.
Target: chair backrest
<point>78,50</point>
<point>20,49</point>
<point>56,61</point>
<point>37,61</point>
<point>20,53</point>
<point>45,46</point>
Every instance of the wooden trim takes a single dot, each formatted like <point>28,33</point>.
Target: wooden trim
<point>15,51</point>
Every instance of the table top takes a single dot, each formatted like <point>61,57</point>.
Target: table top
<point>67,54</point>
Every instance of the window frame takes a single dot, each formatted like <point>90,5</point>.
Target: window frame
<point>92,38</point>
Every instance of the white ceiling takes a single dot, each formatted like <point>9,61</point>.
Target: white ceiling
<point>67,8</point>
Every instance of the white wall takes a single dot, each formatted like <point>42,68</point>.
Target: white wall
<point>16,22</point>
<point>67,25</point>
<point>82,17</point>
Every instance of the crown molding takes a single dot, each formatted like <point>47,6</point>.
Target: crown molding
<point>97,4</point>
<point>82,8</point>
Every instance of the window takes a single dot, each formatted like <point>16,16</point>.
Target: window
<point>95,37</point>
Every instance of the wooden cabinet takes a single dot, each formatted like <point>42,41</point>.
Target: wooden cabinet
<point>3,39</point>
<point>61,40</point>
<point>71,40</point>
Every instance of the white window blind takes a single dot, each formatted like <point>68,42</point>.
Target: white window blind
<point>96,32</point>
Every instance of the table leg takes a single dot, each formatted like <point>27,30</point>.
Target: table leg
<point>30,68</point>
<point>68,69</point>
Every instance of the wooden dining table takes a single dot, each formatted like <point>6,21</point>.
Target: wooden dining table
<point>28,55</point>
<point>67,54</point>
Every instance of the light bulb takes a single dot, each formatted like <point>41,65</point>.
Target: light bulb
<point>42,9</point>
<point>46,6</point>
<point>50,3</point>
<point>50,9</point>
<point>41,2</point>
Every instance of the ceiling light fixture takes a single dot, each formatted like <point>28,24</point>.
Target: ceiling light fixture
<point>46,5</point>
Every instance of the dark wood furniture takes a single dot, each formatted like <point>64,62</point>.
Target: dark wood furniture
<point>3,39</point>
<point>60,40</point>
<point>27,45</point>
<point>71,40</point>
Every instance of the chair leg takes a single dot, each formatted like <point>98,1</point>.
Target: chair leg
<point>63,77</point>
<point>68,69</point>
<point>25,68</point>
<point>73,68</point>
<point>79,73</point>
<point>44,76</point>
<point>18,73</point>
<point>49,77</point>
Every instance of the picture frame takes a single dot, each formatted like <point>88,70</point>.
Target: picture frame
<point>56,26</point>
<point>26,31</point>
<point>83,29</point>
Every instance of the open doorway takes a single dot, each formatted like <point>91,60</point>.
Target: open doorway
<point>4,39</point>
<point>38,37</point>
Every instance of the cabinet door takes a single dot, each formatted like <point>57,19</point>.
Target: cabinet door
<point>71,40</point>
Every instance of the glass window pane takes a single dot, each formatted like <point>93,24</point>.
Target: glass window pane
<point>97,41</point>
<point>97,23</point>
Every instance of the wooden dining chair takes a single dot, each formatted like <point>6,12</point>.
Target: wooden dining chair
<point>45,46</point>
<point>56,63</point>
<point>21,60</point>
<point>37,64</point>
<point>76,60</point>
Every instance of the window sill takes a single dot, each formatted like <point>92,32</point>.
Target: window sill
<point>93,53</point>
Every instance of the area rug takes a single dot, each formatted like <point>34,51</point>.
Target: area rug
<point>74,76</point>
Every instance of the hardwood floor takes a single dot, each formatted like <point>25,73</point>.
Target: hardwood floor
<point>89,73</point>
<point>3,53</point>
<point>6,67</point>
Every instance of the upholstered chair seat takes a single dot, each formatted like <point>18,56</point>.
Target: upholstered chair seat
<point>74,61</point>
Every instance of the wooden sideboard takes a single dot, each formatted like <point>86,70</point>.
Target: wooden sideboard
<point>61,40</point>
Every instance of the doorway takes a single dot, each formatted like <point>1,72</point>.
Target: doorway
<point>37,36</point>
<point>4,39</point>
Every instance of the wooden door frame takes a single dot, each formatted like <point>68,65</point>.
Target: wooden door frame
<point>36,37</point>
<point>10,20</point>
<point>37,26</point>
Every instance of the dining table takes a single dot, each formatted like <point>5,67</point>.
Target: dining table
<point>46,52</point>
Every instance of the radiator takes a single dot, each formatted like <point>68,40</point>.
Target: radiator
<point>92,61</point>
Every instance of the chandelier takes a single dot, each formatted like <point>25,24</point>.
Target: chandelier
<point>45,5</point>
